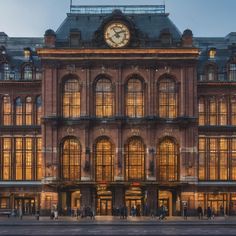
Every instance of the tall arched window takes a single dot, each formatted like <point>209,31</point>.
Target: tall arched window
<point>6,111</point>
<point>135,159</point>
<point>28,111</point>
<point>71,98</point>
<point>168,98</point>
<point>104,159</point>
<point>167,161</point>
<point>104,98</point>
<point>38,110</point>
<point>19,111</point>
<point>71,159</point>
<point>6,160</point>
<point>28,72</point>
<point>201,111</point>
<point>135,98</point>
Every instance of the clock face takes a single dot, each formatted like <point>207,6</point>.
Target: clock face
<point>117,35</point>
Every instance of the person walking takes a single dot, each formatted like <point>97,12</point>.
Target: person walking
<point>209,212</point>
<point>20,213</point>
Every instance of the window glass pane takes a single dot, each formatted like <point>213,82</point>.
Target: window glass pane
<point>7,112</point>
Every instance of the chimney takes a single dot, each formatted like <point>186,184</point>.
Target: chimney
<point>50,38</point>
<point>187,38</point>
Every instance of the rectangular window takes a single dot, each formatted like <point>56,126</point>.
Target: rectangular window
<point>232,72</point>
<point>7,155</point>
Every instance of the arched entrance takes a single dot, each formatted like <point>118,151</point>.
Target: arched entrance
<point>134,198</point>
<point>75,200</point>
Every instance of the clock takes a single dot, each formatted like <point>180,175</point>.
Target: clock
<point>117,35</point>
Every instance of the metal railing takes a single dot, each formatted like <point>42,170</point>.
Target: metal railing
<point>128,9</point>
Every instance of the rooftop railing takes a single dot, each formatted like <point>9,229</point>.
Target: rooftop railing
<point>128,9</point>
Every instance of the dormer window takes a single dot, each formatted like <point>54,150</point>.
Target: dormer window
<point>6,71</point>
<point>211,72</point>
<point>28,72</point>
<point>212,53</point>
<point>166,37</point>
<point>74,38</point>
<point>27,53</point>
<point>232,72</point>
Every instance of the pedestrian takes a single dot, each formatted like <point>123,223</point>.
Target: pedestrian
<point>125,212</point>
<point>37,215</point>
<point>199,212</point>
<point>20,213</point>
<point>209,212</point>
<point>222,212</point>
<point>185,212</point>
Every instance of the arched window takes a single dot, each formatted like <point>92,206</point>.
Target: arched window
<point>71,98</point>
<point>19,111</point>
<point>168,98</point>
<point>104,159</point>
<point>201,111</point>
<point>28,111</point>
<point>28,72</point>
<point>211,72</point>
<point>104,98</point>
<point>222,111</point>
<point>7,112</point>
<point>212,111</point>
<point>167,161</point>
<point>135,98</point>
<point>232,72</point>
<point>135,159</point>
<point>38,110</point>
<point>71,159</point>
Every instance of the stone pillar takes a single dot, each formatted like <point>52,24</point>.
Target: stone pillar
<point>118,196</point>
<point>151,198</point>
<point>86,198</point>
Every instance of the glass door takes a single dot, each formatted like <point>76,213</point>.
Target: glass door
<point>104,207</point>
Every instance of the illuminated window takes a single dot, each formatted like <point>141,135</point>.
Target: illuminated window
<point>38,110</point>
<point>212,111</point>
<point>168,98</point>
<point>4,203</point>
<point>202,159</point>
<point>135,159</point>
<point>28,111</point>
<point>71,159</point>
<point>201,111</point>
<point>39,158</point>
<point>27,72</point>
<point>217,159</point>
<point>6,159</point>
<point>71,98</point>
<point>19,111</point>
<point>167,161</point>
<point>104,158</point>
<point>212,53</point>
<point>232,72</point>
<point>233,111</point>
<point>104,98</point>
<point>7,112</point>
<point>222,112</point>
<point>21,158</point>
<point>135,98</point>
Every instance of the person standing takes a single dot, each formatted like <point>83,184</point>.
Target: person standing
<point>200,212</point>
<point>185,212</point>
<point>20,213</point>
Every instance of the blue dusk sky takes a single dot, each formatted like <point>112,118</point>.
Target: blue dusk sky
<point>19,18</point>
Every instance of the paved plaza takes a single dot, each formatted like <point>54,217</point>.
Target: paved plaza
<point>115,226</point>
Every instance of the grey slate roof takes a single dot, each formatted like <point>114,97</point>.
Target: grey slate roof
<point>149,24</point>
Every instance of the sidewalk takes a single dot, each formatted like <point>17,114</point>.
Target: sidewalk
<point>115,220</point>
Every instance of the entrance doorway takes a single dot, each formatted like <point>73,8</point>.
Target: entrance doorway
<point>104,206</point>
<point>27,205</point>
<point>104,200</point>
<point>134,200</point>
<point>165,199</point>
<point>217,202</point>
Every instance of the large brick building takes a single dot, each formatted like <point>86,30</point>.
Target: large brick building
<point>118,107</point>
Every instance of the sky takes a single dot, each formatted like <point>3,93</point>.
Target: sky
<point>30,18</point>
